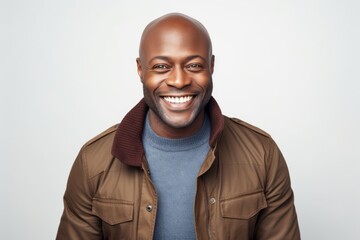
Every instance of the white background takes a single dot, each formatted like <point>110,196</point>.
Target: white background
<point>68,72</point>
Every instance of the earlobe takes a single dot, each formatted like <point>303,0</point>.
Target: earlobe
<point>139,68</point>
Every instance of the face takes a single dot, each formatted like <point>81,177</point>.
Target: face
<point>175,67</point>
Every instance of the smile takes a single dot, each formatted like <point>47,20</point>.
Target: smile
<point>183,99</point>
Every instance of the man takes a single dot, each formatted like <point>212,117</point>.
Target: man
<point>175,167</point>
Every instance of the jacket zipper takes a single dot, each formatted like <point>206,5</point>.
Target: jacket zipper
<point>147,174</point>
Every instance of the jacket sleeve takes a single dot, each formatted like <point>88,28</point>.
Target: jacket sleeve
<point>77,221</point>
<point>278,220</point>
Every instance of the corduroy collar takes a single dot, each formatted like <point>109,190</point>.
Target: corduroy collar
<point>128,145</point>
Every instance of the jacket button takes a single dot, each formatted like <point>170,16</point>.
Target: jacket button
<point>149,208</point>
<point>212,200</point>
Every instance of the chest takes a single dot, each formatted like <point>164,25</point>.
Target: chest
<point>227,200</point>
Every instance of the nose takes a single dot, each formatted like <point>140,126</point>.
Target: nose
<point>178,78</point>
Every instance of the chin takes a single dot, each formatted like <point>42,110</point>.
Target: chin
<point>178,122</point>
<point>178,125</point>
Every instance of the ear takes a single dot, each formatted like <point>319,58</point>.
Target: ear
<point>212,63</point>
<point>139,68</point>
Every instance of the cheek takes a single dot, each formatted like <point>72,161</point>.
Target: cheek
<point>152,81</point>
<point>204,81</point>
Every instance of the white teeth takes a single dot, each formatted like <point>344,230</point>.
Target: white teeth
<point>178,99</point>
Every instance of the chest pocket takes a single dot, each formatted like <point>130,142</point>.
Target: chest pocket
<point>113,211</point>
<point>240,213</point>
<point>244,206</point>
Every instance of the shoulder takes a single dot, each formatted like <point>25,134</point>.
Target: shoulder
<point>241,135</point>
<point>96,153</point>
<point>253,145</point>
<point>108,134</point>
<point>236,124</point>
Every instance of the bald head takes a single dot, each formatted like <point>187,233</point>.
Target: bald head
<point>177,27</point>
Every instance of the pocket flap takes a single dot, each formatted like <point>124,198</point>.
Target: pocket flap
<point>113,211</point>
<point>244,206</point>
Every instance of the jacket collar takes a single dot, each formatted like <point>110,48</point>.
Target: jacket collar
<point>128,145</point>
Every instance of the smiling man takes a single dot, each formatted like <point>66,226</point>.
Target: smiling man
<point>175,67</point>
<point>175,167</point>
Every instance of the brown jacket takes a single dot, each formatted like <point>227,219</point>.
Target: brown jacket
<point>243,187</point>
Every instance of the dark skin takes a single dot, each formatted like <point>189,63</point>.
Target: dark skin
<point>175,67</point>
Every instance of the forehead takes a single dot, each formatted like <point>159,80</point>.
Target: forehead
<point>175,39</point>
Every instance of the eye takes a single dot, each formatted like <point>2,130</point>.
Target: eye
<point>161,68</point>
<point>194,67</point>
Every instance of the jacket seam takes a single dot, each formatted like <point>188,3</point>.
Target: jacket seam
<point>105,133</point>
<point>249,127</point>
<point>260,190</point>
<point>86,172</point>
<point>269,152</point>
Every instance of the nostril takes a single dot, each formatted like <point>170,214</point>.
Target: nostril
<point>178,82</point>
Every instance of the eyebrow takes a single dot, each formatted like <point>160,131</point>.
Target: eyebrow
<point>165,58</point>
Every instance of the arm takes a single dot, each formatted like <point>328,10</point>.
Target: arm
<point>278,220</point>
<point>77,221</point>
